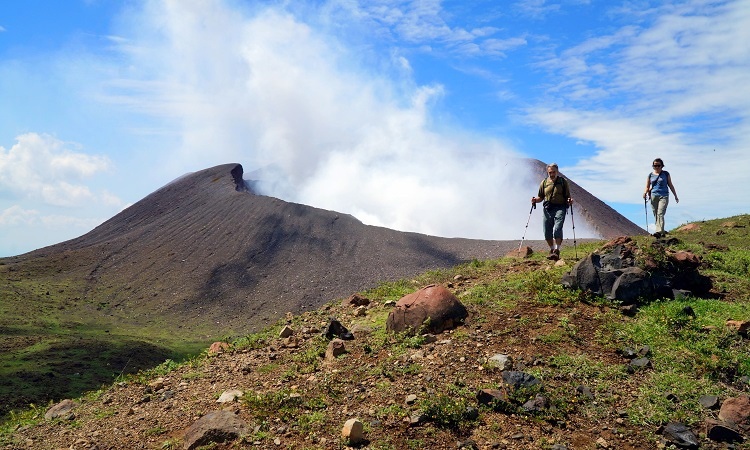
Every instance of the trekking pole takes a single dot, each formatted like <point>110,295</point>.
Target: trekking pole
<point>533,207</point>
<point>573,221</point>
<point>645,209</point>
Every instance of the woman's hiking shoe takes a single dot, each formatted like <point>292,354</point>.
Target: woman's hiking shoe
<point>554,255</point>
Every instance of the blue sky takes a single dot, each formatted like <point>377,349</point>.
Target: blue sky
<point>406,114</point>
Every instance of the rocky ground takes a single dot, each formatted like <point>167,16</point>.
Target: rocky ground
<point>420,392</point>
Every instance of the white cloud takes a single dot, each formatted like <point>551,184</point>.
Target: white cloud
<point>675,83</point>
<point>17,216</point>
<point>44,168</point>
<point>273,92</point>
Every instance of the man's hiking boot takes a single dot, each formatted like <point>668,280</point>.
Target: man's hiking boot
<point>554,255</point>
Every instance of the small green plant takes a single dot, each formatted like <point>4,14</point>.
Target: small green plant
<point>448,412</point>
<point>171,444</point>
<point>284,404</point>
<point>155,431</point>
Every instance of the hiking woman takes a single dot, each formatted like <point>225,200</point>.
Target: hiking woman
<point>554,192</point>
<point>658,185</point>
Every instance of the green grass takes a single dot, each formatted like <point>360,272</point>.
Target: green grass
<point>691,356</point>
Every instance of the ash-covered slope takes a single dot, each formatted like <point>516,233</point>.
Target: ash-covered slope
<point>204,249</point>
<point>206,253</point>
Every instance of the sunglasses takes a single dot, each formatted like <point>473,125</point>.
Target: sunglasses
<point>656,165</point>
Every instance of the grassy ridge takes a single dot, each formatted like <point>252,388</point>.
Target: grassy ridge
<point>524,306</point>
<point>53,345</point>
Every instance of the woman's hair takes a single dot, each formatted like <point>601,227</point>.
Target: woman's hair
<point>659,161</point>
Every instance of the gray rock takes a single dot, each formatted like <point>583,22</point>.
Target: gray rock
<point>62,409</point>
<point>214,427</point>
<point>538,403</point>
<point>679,435</point>
<point>634,283</point>
<point>500,361</point>
<point>517,379</point>
<point>709,401</point>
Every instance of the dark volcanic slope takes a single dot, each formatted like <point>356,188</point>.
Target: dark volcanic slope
<point>204,250</point>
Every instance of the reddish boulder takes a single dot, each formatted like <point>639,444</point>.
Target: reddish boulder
<point>434,302</point>
<point>218,347</point>
<point>686,260</point>
<point>736,410</point>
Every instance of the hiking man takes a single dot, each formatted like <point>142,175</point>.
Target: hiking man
<point>554,193</point>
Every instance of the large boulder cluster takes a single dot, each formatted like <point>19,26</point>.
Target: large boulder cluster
<point>621,271</point>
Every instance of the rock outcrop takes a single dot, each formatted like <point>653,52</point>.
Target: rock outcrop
<point>622,272</point>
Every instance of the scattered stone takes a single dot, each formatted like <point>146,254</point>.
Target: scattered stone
<point>500,361</point>
<point>434,302</point>
<point>585,392</point>
<point>286,332</point>
<point>335,329</point>
<point>361,311</point>
<point>291,342</point>
<point>640,363</point>
<point>602,443</point>
<point>411,399</point>
<point>491,396</point>
<point>714,247</point>
<point>536,404</point>
<point>335,349</point>
<point>157,384</point>
<point>517,379</point>
<point>355,300</point>
<point>740,326</point>
<point>62,409</point>
<point>709,401</point>
<point>218,347</point>
<point>679,435</point>
<point>686,260</point>
<point>468,444</point>
<point>230,396</point>
<point>672,397</point>
<point>415,419</point>
<point>353,431</point>
<point>215,427</point>
<point>736,410</point>
<point>722,432</point>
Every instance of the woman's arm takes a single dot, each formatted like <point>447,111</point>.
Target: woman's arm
<point>671,186</point>
<point>648,187</point>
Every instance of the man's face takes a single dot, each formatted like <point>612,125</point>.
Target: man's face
<point>552,173</point>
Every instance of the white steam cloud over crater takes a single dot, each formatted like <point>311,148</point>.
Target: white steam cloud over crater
<point>281,96</point>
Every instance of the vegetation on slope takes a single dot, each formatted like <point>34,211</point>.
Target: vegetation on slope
<point>568,339</point>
